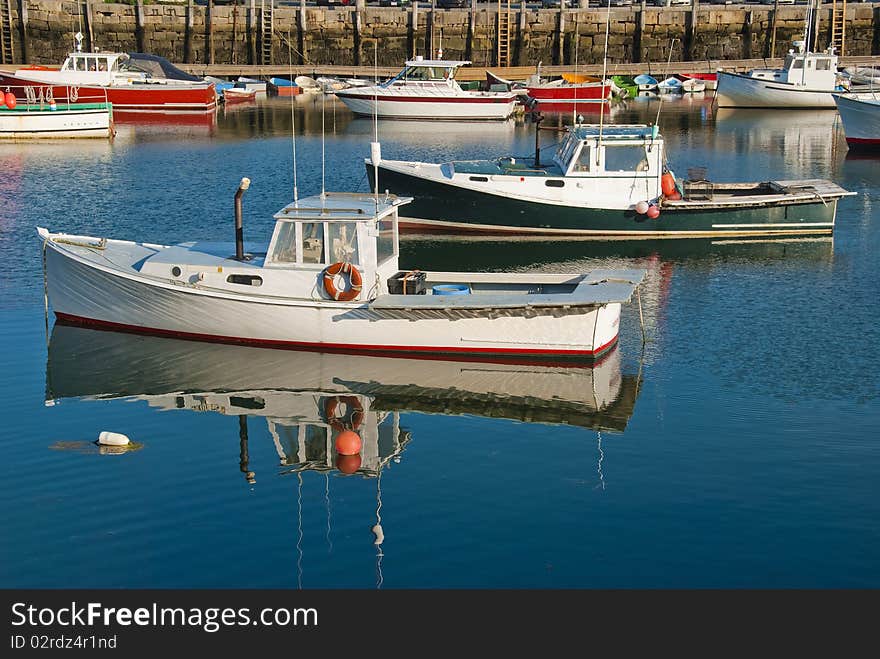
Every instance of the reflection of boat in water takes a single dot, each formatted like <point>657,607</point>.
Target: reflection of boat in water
<point>810,134</point>
<point>290,387</point>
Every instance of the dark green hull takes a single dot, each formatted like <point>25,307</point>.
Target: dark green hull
<point>444,208</point>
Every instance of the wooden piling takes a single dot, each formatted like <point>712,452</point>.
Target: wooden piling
<point>90,35</point>
<point>23,31</point>
<point>640,30</point>
<point>139,26</point>
<point>747,36</point>
<point>209,32</point>
<point>187,33</point>
<point>301,33</point>
<point>521,36</point>
<point>560,36</point>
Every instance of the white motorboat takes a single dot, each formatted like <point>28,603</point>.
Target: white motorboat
<point>806,80</point>
<point>40,116</point>
<point>860,114</point>
<point>670,85</point>
<point>426,89</point>
<point>329,280</point>
<point>252,85</point>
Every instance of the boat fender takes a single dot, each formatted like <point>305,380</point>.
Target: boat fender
<point>2,100</point>
<point>354,281</point>
<point>10,100</point>
<point>642,207</point>
<point>107,438</point>
<point>653,212</point>
<point>351,419</point>
<point>379,533</point>
<point>667,184</point>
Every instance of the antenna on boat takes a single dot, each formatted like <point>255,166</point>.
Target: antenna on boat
<point>292,119</point>
<point>577,41</point>
<point>668,64</point>
<point>375,147</point>
<point>604,71</point>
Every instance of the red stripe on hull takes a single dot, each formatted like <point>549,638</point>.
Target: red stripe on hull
<point>863,141</point>
<point>497,355</point>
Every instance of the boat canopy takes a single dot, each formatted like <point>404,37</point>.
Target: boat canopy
<point>158,67</point>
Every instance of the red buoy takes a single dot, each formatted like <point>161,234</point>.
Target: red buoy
<point>10,100</point>
<point>348,464</point>
<point>2,100</point>
<point>667,184</point>
<point>348,443</point>
<point>653,212</point>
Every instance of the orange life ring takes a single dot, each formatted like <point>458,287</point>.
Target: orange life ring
<point>354,281</point>
<point>353,417</point>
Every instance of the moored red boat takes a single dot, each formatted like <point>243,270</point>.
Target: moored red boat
<point>133,82</point>
<point>588,91</point>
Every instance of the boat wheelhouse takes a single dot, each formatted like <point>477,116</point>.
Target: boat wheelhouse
<point>606,182</point>
<point>329,280</point>
<point>427,89</point>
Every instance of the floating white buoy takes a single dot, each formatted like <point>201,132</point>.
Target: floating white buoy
<point>107,438</point>
<point>379,533</point>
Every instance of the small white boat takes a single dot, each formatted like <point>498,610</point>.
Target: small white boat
<point>806,80</point>
<point>860,114</point>
<point>863,75</point>
<point>646,83</point>
<point>692,85</point>
<point>40,118</point>
<point>308,84</point>
<point>671,85</point>
<point>426,89</point>
<point>329,280</point>
<point>330,85</point>
<point>251,84</point>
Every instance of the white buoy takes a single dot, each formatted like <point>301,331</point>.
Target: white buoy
<point>107,438</point>
<point>379,533</point>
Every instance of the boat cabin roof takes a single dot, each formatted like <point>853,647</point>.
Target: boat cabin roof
<point>443,63</point>
<point>341,207</point>
<point>615,132</point>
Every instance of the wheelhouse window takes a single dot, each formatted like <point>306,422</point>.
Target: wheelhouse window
<point>585,160</point>
<point>284,250</point>
<point>385,247</point>
<point>343,242</point>
<point>313,242</point>
<point>625,158</point>
<point>566,149</point>
<point>823,64</point>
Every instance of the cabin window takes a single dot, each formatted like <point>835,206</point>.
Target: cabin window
<point>385,241</point>
<point>313,242</point>
<point>343,242</point>
<point>584,161</point>
<point>554,183</point>
<point>797,64</point>
<point>625,158</point>
<point>285,244</point>
<point>479,179</point>
<point>92,63</point>
<point>102,64</point>
<point>823,64</point>
<point>246,280</point>
<point>80,63</point>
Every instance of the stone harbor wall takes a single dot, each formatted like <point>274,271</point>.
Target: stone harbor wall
<point>43,32</point>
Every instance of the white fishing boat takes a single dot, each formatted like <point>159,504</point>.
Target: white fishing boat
<point>39,117</point>
<point>860,114</point>
<point>806,80</point>
<point>426,89</point>
<point>252,85</point>
<point>329,280</point>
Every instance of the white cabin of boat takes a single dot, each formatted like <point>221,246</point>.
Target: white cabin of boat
<point>804,69</point>
<point>427,73</point>
<point>309,235</point>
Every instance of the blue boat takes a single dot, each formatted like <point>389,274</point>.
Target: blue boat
<point>646,83</point>
<point>282,82</point>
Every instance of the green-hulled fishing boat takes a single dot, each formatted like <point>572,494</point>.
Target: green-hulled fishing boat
<point>603,182</point>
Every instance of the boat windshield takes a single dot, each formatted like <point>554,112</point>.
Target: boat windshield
<point>426,73</point>
<point>566,150</point>
<point>314,241</point>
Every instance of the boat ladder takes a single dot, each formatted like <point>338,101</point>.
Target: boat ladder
<point>267,19</point>
<point>504,24</point>
<point>838,26</point>
<point>7,45</point>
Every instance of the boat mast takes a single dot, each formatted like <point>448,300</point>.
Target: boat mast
<point>375,148</point>
<point>292,120</point>
<point>602,82</point>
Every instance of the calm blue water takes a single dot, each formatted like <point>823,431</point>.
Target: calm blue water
<point>738,448</point>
